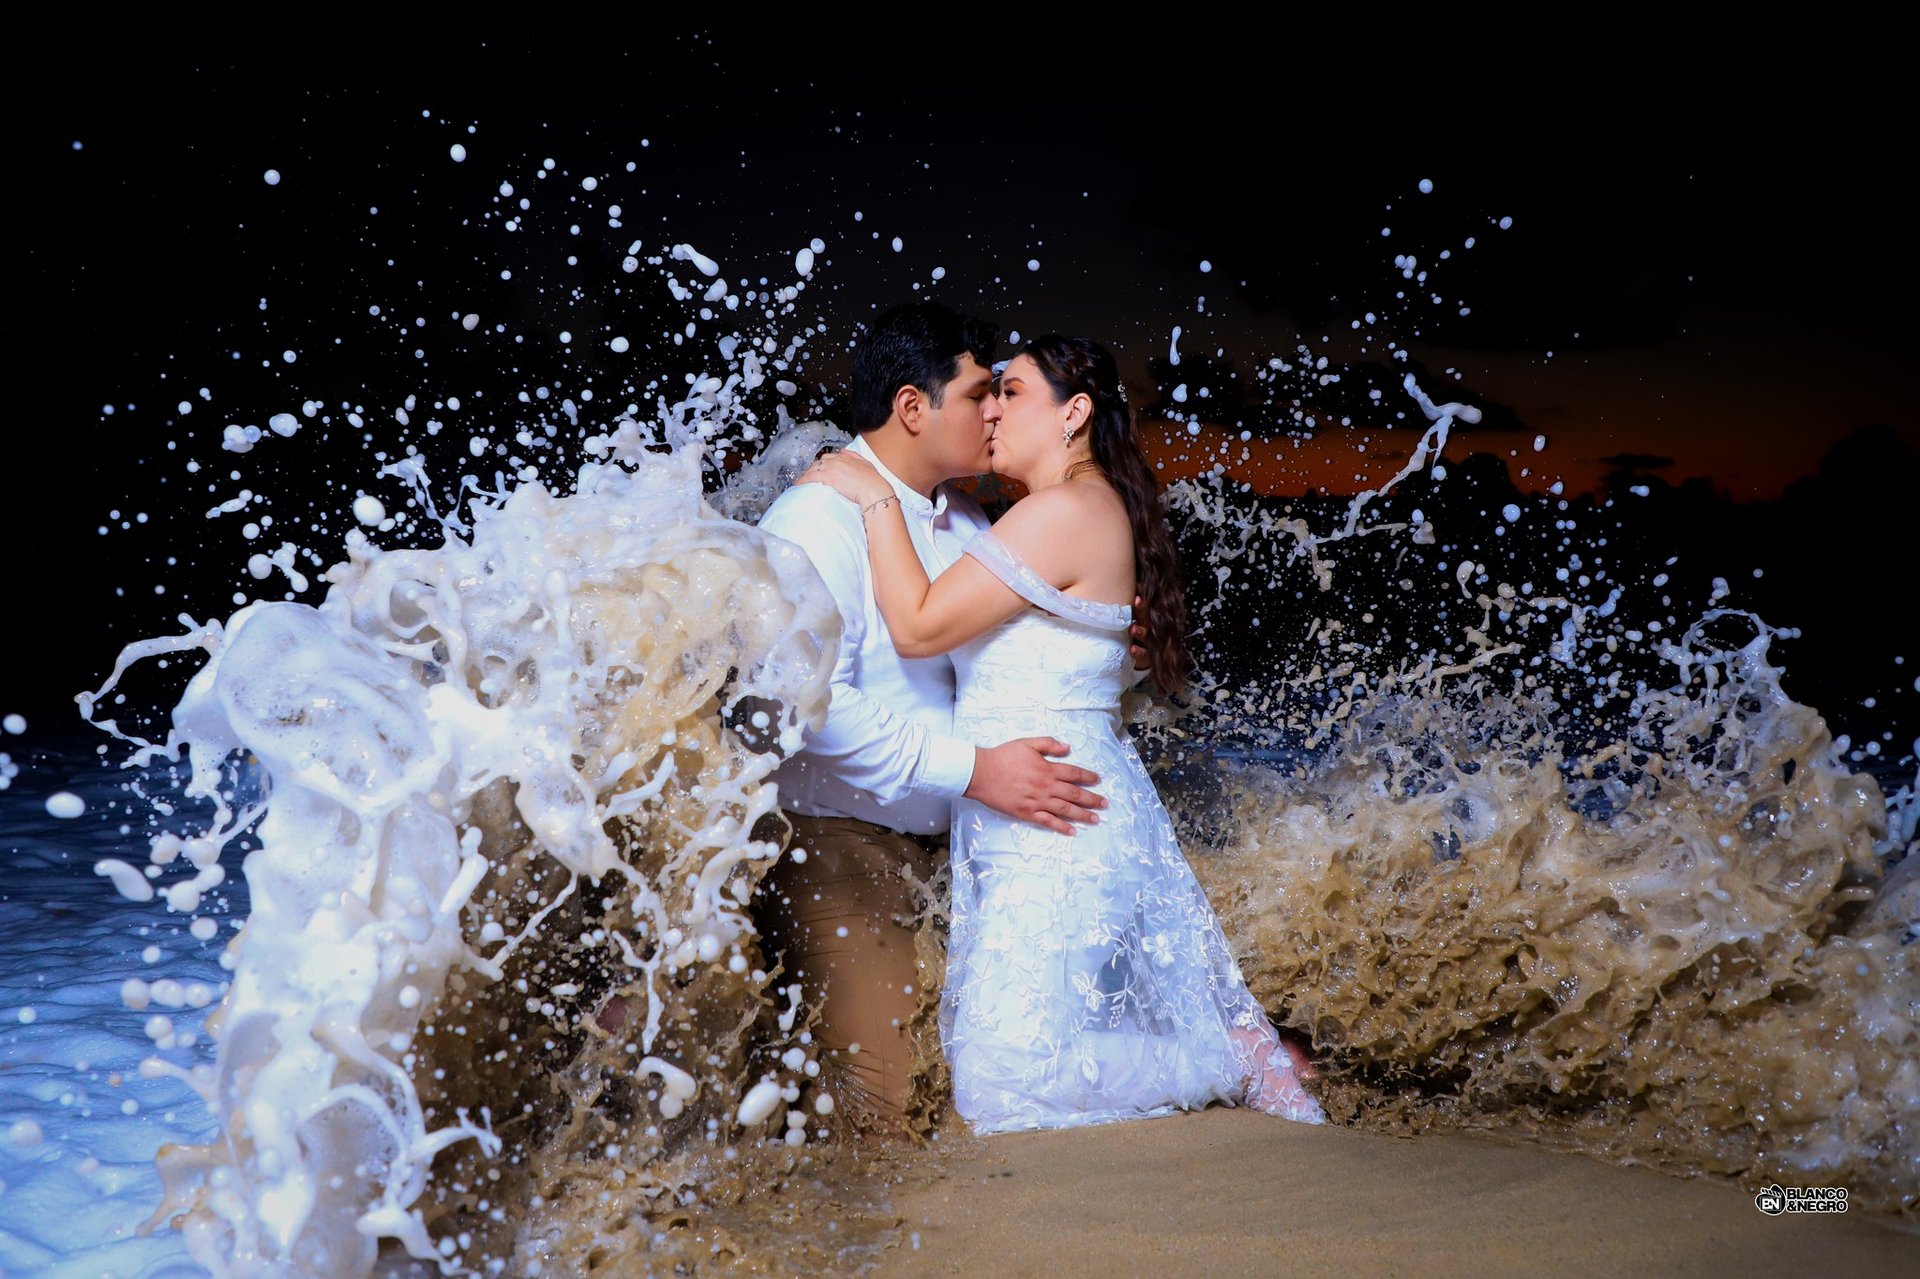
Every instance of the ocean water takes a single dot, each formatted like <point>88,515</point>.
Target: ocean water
<point>81,1121</point>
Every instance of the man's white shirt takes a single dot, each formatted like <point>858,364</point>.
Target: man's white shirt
<point>887,753</point>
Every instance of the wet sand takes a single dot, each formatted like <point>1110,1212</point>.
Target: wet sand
<point>1234,1193</point>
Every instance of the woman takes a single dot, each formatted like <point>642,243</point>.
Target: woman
<point>1087,977</point>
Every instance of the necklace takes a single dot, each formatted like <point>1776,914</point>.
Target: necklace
<point>1079,468</point>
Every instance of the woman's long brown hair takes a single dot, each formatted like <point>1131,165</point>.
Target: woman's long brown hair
<point>1081,366</point>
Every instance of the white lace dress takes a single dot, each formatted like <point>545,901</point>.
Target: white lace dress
<point>1088,979</point>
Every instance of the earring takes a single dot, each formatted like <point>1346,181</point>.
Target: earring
<point>1066,438</point>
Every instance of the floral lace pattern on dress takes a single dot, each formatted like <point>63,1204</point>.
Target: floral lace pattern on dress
<point>1088,978</point>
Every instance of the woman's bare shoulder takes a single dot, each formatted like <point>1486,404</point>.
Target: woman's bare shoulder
<point>1068,533</point>
<point>1064,508</point>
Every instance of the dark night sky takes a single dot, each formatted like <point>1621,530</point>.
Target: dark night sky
<point>1707,240</point>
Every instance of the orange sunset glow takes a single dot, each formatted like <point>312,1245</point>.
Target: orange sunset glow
<point>1694,402</point>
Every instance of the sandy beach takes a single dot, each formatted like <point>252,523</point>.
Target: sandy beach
<point>1234,1193</point>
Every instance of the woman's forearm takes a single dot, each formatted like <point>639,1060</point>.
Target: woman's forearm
<point>900,583</point>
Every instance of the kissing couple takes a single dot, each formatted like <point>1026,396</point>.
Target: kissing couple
<point>975,719</point>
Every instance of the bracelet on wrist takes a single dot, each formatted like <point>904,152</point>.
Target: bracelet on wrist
<point>874,506</point>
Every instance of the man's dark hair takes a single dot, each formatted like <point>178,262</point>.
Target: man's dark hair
<point>919,345</point>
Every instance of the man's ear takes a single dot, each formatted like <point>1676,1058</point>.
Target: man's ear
<point>910,406</point>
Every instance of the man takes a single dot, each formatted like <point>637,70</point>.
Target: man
<point>870,796</point>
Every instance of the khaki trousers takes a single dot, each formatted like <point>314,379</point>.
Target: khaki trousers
<point>842,923</point>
